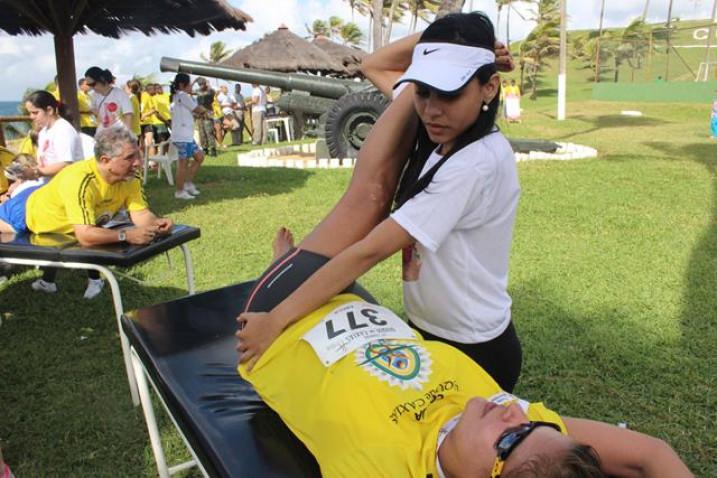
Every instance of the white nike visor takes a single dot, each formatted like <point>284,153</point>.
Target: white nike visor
<point>445,67</point>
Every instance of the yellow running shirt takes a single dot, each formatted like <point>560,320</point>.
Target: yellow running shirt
<point>154,119</point>
<point>146,106</point>
<point>87,119</point>
<point>136,128</point>
<point>161,103</point>
<point>26,147</point>
<point>78,195</point>
<point>377,410</point>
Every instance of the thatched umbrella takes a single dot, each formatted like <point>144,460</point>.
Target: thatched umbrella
<point>284,51</point>
<point>111,18</point>
<point>350,57</point>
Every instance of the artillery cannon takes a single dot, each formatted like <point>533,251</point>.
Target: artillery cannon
<point>346,109</point>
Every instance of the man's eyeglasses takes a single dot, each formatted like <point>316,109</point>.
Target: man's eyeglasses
<point>509,441</point>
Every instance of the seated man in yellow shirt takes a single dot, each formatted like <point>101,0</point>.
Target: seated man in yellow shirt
<point>84,196</point>
<point>369,397</point>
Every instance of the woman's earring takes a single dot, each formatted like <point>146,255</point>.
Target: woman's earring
<point>484,107</point>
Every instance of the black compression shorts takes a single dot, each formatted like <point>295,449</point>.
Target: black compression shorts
<point>285,275</point>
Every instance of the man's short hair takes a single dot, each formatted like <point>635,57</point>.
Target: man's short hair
<point>110,141</point>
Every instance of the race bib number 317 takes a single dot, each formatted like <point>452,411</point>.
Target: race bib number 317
<point>352,325</point>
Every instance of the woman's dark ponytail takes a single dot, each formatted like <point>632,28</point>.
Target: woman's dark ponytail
<point>44,99</point>
<point>179,79</point>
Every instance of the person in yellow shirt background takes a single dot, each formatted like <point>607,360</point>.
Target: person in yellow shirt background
<point>162,113</point>
<point>88,124</point>
<point>133,89</point>
<point>218,116</point>
<point>147,110</point>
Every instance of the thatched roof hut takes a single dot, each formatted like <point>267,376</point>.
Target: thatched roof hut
<point>282,50</point>
<point>111,18</point>
<point>350,57</point>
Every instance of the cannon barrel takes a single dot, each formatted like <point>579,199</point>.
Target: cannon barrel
<point>316,85</point>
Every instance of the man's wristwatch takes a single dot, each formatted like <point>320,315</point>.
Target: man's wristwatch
<point>122,236</point>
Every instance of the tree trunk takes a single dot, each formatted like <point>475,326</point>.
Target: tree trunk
<point>66,79</point>
<point>597,55</point>
<point>617,71</point>
<point>669,42</point>
<point>387,38</point>
<point>644,10</point>
<point>534,80</point>
<point>377,16</point>
<point>449,6</point>
<point>709,39</point>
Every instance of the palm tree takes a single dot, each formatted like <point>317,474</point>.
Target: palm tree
<point>392,11</point>
<point>500,4</point>
<point>423,9</point>
<point>450,6</point>
<point>335,25</point>
<point>632,47</point>
<point>377,23</point>
<point>669,42</point>
<point>319,28</point>
<point>351,34</point>
<point>542,42</point>
<point>217,53</point>
<point>597,58</point>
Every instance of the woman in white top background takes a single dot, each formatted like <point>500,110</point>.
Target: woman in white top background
<point>184,108</point>
<point>110,104</point>
<point>58,142</point>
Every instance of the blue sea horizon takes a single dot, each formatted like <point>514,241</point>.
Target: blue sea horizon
<point>9,108</point>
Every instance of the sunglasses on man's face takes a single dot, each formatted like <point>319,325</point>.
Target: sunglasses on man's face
<point>509,441</point>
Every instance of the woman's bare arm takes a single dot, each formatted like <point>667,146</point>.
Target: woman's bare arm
<point>627,453</point>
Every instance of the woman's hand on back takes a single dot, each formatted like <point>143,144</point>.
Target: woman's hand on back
<point>257,332</point>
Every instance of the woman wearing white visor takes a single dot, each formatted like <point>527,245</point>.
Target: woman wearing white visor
<point>455,206</point>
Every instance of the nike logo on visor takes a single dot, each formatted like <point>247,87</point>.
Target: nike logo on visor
<point>428,52</point>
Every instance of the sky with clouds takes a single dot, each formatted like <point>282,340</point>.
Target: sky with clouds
<point>29,62</point>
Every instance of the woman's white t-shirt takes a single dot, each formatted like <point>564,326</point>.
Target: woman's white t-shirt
<point>182,117</point>
<point>455,286</point>
<point>111,108</point>
<point>59,143</point>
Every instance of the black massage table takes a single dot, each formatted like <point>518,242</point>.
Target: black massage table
<point>59,250</point>
<point>186,349</point>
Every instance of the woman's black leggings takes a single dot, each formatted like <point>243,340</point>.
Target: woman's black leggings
<point>501,357</point>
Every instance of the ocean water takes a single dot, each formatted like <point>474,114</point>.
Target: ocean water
<point>9,108</point>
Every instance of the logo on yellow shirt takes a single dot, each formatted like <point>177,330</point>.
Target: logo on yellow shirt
<point>400,364</point>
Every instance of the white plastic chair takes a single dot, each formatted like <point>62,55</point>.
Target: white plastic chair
<point>164,161</point>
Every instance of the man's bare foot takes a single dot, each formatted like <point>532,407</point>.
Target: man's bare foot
<point>283,241</point>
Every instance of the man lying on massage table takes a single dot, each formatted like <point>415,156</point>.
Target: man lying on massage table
<point>86,195</point>
<point>369,397</point>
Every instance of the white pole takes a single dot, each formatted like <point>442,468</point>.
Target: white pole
<point>563,61</point>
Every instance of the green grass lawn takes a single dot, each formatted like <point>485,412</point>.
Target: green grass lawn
<point>613,276</point>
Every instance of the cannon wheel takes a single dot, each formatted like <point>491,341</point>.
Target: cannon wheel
<point>349,121</point>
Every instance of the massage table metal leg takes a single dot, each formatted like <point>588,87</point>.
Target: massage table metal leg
<point>189,268</point>
<point>119,311</point>
<point>149,417</point>
<point>153,429</point>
